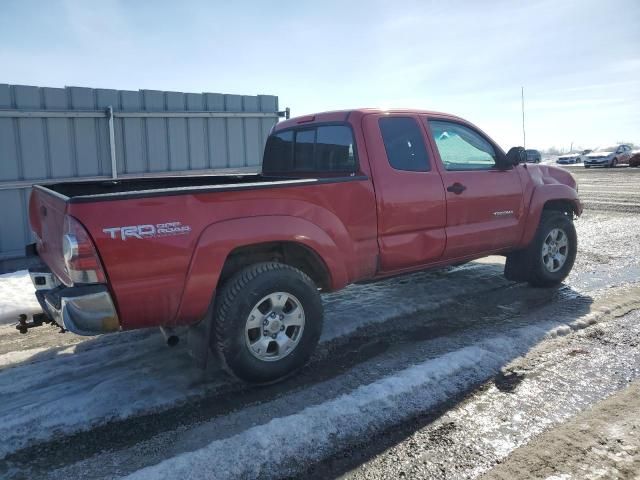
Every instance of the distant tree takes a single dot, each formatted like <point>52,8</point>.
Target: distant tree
<point>552,151</point>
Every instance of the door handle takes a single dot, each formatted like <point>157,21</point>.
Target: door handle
<point>456,188</point>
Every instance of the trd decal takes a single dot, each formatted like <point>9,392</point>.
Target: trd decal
<point>147,231</point>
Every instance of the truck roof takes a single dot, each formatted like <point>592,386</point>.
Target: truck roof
<point>344,115</point>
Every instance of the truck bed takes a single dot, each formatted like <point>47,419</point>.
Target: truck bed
<point>97,190</point>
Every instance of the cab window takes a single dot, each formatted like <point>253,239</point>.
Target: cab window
<point>461,148</point>
<point>404,144</point>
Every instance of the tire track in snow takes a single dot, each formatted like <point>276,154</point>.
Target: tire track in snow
<point>414,346</point>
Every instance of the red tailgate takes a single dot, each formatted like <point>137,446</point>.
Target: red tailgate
<point>46,215</point>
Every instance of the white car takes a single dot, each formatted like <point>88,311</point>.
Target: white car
<point>608,157</point>
<point>575,157</point>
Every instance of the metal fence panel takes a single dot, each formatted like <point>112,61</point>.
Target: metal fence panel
<point>63,133</point>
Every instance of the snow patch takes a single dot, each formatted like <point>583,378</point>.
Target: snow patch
<point>59,390</point>
<point>17,295</point>
<point>594,317</point>
<point>320,430</point>
<point>20,356</point>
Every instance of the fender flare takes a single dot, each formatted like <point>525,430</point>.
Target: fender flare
<point>541,195</point>
<point>219,239</point>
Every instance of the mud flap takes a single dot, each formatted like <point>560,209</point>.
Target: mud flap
<point>199,343</point>
<point>516,268</point>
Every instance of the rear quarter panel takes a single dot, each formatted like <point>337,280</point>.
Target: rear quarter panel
<point>148,275</point>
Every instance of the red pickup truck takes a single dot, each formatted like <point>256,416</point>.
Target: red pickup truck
<point>342,197</point>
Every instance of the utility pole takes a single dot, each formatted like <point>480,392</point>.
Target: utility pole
<point>524,136</point>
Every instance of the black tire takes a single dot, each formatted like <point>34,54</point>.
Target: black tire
<point>527,265</point>
<point>538,275</point>
<point>234,303</point>
<point>587,166</point>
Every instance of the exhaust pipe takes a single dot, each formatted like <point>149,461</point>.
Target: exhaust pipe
<point>170,336</point>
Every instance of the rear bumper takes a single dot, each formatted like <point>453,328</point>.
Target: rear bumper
<point>84,310</point>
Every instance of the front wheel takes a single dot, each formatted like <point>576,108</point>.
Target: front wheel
<point>268,320</point>
<point>549,257</point>
<point>553,250</point>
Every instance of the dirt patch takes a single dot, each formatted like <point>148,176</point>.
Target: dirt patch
<point>600,443</point>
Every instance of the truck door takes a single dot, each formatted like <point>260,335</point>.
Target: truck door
<point>409,193</point>
<point>484,203</point>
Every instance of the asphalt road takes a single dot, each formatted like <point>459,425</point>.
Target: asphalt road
<point>433,375</point>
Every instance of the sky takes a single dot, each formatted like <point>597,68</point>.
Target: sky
<point>578,61</point>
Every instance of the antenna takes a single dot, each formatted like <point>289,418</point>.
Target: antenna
<point>524,136</point>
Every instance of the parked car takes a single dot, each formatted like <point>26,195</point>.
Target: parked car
<point>574,157</point>
<point>533,156</point>
<point>342,197</point>
<point>608,157</point>
<point>634,161</point>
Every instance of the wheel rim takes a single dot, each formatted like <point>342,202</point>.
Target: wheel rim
<point>274,327</point>
<point>555,250</point>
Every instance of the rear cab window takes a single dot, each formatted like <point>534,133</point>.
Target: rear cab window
<point>315,149</point>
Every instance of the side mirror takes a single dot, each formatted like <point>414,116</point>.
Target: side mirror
<point>514,156</point>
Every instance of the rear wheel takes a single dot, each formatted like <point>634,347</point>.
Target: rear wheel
<point>268,320</point>
<point>587,166</point>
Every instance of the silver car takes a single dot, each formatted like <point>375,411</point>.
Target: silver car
<point>608,157</point>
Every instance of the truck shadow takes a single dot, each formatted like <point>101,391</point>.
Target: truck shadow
<point>129,387</point>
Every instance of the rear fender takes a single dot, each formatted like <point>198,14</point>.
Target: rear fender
<point>218,240</point>
<point>542,195</point>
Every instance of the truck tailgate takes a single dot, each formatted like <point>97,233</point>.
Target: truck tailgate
<point>47,216</point>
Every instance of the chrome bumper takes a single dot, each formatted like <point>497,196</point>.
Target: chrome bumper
<point>88,314</point>
<point>84,310</point>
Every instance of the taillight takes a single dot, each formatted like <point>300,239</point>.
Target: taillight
<point>80,257</point>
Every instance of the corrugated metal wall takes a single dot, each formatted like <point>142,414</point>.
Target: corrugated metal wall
<point>56,134</point>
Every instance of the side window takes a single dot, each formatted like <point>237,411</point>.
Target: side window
<point>404,144</point>
<point>461,148</point>
<point>334,149</point>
